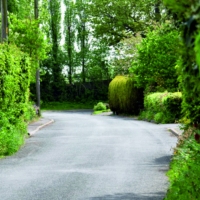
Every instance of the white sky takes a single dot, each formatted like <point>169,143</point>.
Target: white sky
<point>62,21</point>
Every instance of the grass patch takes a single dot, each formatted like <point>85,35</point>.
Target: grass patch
<point>100,111</point>
<point>67,105</point>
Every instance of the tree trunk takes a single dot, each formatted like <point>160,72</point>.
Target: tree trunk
<point>4,29</point>
<point>38,70</point>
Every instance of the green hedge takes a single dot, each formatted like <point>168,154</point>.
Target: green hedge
<point>14,97</point>
<point>124,97</point>
<point>162,107</point>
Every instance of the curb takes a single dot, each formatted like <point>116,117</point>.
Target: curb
<point>173,131</point>
<point>40,127</point>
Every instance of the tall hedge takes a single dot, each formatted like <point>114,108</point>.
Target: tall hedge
<point>14,96</point>
<point>184,170</point>
<point>124,97</point>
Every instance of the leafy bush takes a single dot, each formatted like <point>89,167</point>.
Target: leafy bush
<point>184,171</point>
<point>124,97</point>
<point>154,67</point>
<point>162,107</point>
<point>100,106</point>
<point>14,97</point>
<point>30,112</point>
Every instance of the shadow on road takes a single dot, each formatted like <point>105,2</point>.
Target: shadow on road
<point>164,160</point>
<point>131,196</point>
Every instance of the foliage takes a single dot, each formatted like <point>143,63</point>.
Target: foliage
<point>188,65</point>
<point>26,35</point>
<point>184,170</point>
<point>68,105</point>
<point>113,19</point>
<point>162,107</point>
<point>184,173</point>
<point>14,97</point>
<point>30,112</point>
<point>182,8</point>
<point>97,64</point>
<point>53,81</point>
<point>124,54</point>
<point>99,106</point>
<point>154,67</point>
<point>77,92</point>
<point>124,97</point>
<point>70,30</point>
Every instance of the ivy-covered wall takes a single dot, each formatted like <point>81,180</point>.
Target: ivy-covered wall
<point>184,170</point>
<point>14,97</point>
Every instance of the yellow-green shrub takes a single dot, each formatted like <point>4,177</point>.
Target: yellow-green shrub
<point>124,97</point>
<point>162,107</point>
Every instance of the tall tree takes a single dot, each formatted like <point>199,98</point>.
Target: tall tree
<point>70,23</point>
<point>37,70</point>
<point>53,80</point>
<point>83,35</point>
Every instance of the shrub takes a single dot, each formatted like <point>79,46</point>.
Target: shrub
<point>154,66</point>
<point>184,171</point>
<point>100,106</point>
<point>124,97</point>
<point>14,97</point>
<point>162,107</point>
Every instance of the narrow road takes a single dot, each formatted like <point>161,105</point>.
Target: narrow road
<point>86,157</point>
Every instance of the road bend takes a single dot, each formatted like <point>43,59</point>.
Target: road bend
<point>85,157</point>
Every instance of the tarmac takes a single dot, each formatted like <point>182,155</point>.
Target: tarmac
<point>42,122</point>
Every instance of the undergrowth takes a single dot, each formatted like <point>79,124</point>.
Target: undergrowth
<point>68,105</point>
<point>184,173</point>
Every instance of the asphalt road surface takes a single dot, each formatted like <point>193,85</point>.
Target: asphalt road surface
<point>81,156</point>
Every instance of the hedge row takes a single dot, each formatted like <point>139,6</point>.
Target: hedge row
<point>124,97</point>
<point>97,90</point>
<point>14,97</point>
<point>162,107</point>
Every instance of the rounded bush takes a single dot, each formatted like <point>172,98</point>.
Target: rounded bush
<point>124,97</point>
<point>100,106</point>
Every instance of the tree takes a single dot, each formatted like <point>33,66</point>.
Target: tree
<point>98,68</point>
<point>154,66</point>
<point>124,55</point>
<point>113,19</point>
<point>70,23</point>
<point>53,80</point>
<point>83,35</point>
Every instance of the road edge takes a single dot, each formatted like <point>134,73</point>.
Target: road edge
<point>41,126</point>
<point>173,131</point>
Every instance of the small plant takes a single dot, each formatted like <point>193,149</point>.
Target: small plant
<point>100,107</point>
<point>158,117</point>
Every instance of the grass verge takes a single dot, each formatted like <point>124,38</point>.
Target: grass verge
<point>67,105</point>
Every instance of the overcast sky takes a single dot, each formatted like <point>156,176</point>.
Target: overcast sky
<point>62,21</point>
